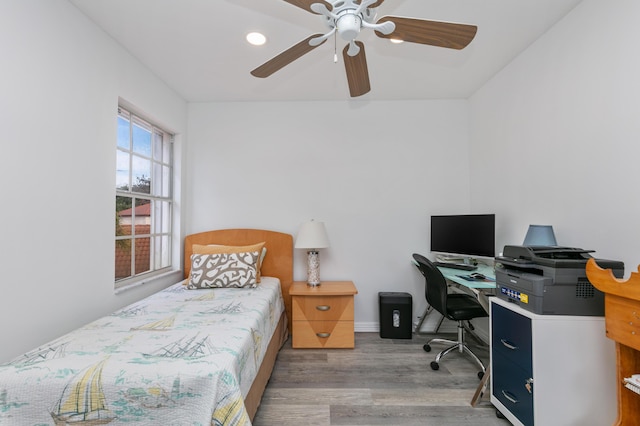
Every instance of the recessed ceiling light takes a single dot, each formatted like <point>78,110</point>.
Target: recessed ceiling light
<point>256,39</point>
<point>396,40</point>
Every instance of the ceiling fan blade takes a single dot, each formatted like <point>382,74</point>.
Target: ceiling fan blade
<point>306,4</point>
<point>376,4</point>
<point>357,71</point>
<point>285,58</point>
<point>434,33</point>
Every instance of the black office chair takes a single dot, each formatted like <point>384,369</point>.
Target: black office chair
<point>456,307</point>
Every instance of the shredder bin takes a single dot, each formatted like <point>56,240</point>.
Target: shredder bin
<point>396,315</point>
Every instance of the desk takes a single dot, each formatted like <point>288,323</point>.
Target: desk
<point>479,288</point>
<point>456,276</point>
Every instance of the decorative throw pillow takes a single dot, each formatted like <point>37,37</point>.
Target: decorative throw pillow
<point>216,249</point>
<point>223,270</point>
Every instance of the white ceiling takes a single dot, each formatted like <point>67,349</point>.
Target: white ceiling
<point>198,47</point>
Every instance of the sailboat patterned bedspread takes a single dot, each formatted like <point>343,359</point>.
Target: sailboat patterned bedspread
<point>178,357</point>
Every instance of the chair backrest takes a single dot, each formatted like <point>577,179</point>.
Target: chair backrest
<point>435,284</point>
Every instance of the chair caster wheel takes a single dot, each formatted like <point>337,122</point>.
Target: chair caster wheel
<point>435,365</point>
<point>499,414</point>
<point>480,374</point>
<point>427,348</point>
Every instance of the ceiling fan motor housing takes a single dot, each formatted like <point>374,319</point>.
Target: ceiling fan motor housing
<point>348,24</point>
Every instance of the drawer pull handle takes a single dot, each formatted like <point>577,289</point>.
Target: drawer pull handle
<point>323,335</point>
<point>509,397</point>
<point>323,307</point>
<point>509,344</point>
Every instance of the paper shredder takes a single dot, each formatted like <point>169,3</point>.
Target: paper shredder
<point>396,313</point>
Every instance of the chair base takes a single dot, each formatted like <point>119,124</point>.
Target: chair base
<point>453,345</point>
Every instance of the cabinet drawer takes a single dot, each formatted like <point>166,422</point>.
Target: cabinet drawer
<point>509,387</point>
<point>323,334</point>
<point>511,336</point>
<point>323,308</point>
<point>623,320</point>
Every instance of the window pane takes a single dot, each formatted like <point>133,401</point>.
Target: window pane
<point>156,217</point>
<point>166,252</point>
<point>166,181</point>
<point>123,259</point>
<point>123,133</point>
<point>143,254</point>
<point>141,175</point>
<point>122,170</point>
<point>142,214</point>
<point>166,217</point>
<point>158,182</point>
<point>156,251</point>
<point>141,140</point>
<point>166,154</point>
<point>123,215</point>
<point>157,147</point>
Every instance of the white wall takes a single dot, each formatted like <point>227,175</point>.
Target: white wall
<point>60,81</point>
<point>373,172</point>
<point>555,137</point>
<point>552,140</point>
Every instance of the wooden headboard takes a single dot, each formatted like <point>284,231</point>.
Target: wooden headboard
<point>277,263</point>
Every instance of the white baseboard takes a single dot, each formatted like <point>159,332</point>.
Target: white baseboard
<point>429,325</point>
<point>367,327</point>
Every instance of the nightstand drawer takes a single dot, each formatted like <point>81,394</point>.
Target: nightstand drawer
<point>325,308</point>
<point>320,334</point>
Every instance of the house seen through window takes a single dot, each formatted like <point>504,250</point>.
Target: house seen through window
<point>143,205</point>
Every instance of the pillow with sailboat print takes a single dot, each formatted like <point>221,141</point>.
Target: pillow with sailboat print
<point>224,270</point>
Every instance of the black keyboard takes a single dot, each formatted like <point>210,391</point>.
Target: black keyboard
<point>462,266</point>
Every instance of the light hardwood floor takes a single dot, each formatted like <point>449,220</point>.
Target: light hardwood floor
<point>380,382</point>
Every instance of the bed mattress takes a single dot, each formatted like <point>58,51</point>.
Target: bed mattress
<point>177,357</point>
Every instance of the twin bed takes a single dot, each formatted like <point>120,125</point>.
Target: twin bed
<point>179,357</point>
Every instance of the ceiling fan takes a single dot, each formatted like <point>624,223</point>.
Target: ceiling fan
<point>347,18</point>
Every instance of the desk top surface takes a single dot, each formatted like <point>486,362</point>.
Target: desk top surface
<point>458,276</point>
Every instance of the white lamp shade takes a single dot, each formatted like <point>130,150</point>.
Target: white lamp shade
<point>540,235</point>
<point>312,235</point>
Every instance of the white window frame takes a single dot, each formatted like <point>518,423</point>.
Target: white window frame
<point>160,196</point>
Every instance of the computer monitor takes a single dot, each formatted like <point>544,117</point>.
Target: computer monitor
<point>472,235</point>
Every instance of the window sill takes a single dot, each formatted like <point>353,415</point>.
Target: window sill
<point>164,278</point>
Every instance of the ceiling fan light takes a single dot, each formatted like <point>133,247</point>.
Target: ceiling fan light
<point>349,26</point>
<point>396,40</point>
<point>256,39</point>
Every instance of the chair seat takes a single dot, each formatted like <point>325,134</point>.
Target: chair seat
<point>462,307</point>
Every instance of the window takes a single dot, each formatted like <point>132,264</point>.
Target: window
<point>144,200</point>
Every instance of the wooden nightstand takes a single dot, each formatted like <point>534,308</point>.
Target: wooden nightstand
<point>323,315</point>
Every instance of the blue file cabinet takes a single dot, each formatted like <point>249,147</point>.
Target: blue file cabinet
<point>551,370</point>
<point>512,362</point>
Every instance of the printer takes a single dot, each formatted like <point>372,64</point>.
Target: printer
<point>551,280</point>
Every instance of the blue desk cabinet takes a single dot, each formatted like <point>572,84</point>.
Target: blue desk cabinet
<point>551,370</point>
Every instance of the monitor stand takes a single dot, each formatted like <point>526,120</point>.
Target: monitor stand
<point>465,260</point>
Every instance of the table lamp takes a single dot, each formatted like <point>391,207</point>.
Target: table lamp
<point>540,235</point>
<point>312,236</point>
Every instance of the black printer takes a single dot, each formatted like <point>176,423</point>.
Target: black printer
<point>551,280</point>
